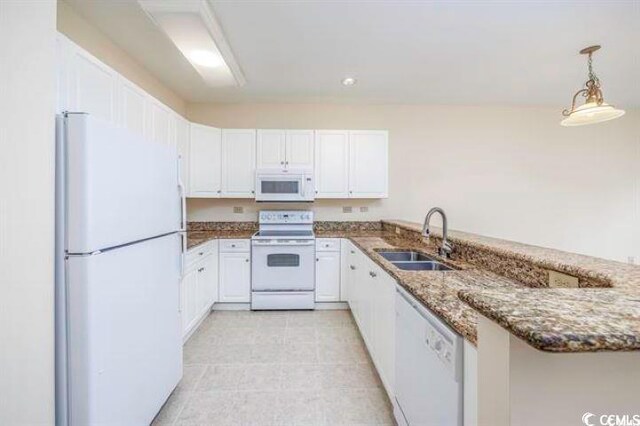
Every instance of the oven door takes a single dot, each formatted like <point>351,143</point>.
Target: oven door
<point>282,265</point>
<point>280,188</point>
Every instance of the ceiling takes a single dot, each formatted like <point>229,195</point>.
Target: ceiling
<point>435,52</point>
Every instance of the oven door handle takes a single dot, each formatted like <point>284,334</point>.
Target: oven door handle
<point>289,243</point>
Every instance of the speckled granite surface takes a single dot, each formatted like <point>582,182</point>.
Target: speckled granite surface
<point>505,281</point>
<point>564,320</point>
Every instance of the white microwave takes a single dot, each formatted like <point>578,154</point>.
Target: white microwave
<point>292,185</point>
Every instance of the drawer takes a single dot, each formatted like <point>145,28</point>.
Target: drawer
<point>196,253</point>
<point>328,244</point>
<point>235,245</point>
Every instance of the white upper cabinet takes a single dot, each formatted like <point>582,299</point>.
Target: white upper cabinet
<point>271,149</point>
<point>205,158</point>
<point>133,106</point>
<point>285,149</point>
<point>183,143</point>
<point>332,163</point>
<point>160,123</point>
<point>238,163</point>
<point>299,149</point>
<point>368,164</point>
<point>92,86</point>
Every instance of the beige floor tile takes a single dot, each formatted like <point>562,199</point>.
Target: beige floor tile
<point>221,378</point>
<point>300,335</point>
<point>299,408</point>
<point>172,408</point>
<point>191,375</point>
<point>277,368</point>
<point>299,353</point>
<point>260,377</point>
<point>301,377</point>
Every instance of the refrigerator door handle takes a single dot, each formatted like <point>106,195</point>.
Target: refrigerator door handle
<point>183,198</point>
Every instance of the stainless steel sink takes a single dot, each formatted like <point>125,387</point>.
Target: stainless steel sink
<point>405,256</point>
<point>422,266</point>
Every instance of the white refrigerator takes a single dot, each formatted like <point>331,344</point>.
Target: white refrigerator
<point>119,242</point>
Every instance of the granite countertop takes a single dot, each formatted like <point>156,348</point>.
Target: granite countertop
<point>513,293</point>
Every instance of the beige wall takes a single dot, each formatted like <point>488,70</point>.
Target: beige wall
<point>27,108</point>
<point>87,36</point>
<point>512,173</point>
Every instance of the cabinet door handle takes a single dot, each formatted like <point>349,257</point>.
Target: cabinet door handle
<point>373,274</point>
<point>201,253</point>
<point>282,163</point>
<point>353,268</point>
<point>317,259</point>
<point>246,260</point>
<point>233,245</point>
<point>219,191</point>
<point>353,252</point>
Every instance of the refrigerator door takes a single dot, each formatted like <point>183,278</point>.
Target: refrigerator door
<point>120,188</point>
<point>124,341</point>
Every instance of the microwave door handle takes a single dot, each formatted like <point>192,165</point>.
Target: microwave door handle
<point>304,188</point>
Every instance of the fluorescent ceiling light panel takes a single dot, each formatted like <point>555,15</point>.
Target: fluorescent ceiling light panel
<point>192,27</point>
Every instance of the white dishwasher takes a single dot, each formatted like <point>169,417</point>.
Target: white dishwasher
<point>428,367</point>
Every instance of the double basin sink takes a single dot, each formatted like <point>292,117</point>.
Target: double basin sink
<point>413,261</point>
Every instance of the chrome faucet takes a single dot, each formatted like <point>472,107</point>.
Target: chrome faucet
<point>446,248</point>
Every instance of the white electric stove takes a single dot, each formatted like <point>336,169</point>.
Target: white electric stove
<point>283,261</point>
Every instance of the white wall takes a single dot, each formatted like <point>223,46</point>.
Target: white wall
<point>27,82</point>
<point>508,172</point>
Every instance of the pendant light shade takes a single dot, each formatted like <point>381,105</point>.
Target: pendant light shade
<point>595,109</point>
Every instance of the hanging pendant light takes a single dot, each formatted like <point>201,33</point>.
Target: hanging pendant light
<point>594,109</point>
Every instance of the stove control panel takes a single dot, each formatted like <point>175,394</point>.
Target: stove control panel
<point>285,216</point>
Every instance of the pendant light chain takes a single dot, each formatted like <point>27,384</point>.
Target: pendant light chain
<point>592,75</point>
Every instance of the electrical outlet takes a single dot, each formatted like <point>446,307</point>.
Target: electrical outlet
<point>364,209</point>
<point>347,209</point>
<point>631,260</point>
<point>238,209</point>
<point>560,280</point>
<point>397,230</point>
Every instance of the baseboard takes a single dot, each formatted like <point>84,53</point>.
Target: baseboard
<point>231,307</point>
<point>320,306</point>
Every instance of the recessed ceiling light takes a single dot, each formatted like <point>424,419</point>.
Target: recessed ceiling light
<point>206,58</point>
<point>348,81</point>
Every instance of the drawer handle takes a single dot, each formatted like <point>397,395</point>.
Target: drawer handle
<point>353,268</point>
<point>373,274</point>
<point>353,252</point>
<point>201,253</point>
<point>233,245</point>
<point>200,269</point>
<point>326,245</point>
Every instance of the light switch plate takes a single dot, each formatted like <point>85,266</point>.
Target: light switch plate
<point>347,209</point>
<point>560,280</point>
<point>364,209</point>
<point>238,209</point>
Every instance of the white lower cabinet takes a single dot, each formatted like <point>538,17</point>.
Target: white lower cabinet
<point>235,274</point>
<point>199,286</point>
<point>371,297</point>
<point>327,270</point>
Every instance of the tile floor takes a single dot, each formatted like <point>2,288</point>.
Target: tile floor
<point>277,368</point>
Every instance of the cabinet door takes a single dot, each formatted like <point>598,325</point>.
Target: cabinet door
<point>299,149</point>
<point>235,285</point>
<point>182,144</point>
<point>205,158</point>
<point>133,104</point>
<point>92,86</point>
<point>238,163</point>
<point>327,276</point>
<point>347,251</point>
<point>210,275</point>
<point>368,164</point>
<point>188,304</point>
<point>271,148</point>
<point>159,123</point>
<point>383,327</point>
<point>332,163</point>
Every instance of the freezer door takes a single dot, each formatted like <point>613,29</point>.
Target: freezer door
<point>124,337</point>
<point>120,187</point>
